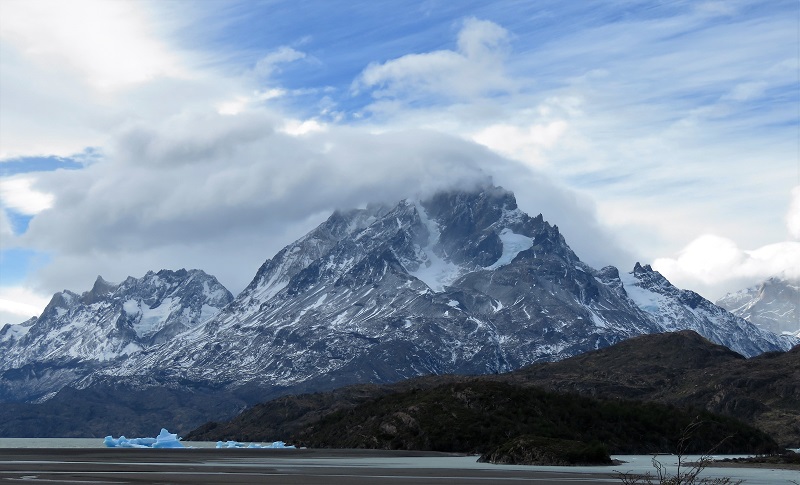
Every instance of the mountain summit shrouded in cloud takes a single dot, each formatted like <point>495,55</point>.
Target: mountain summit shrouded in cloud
<point>138,135</point>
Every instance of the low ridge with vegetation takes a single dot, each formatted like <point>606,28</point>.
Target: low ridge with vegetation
<point>479,416</point>
<point>685,370</point>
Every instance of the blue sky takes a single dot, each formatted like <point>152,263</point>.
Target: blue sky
<point>144,135</point>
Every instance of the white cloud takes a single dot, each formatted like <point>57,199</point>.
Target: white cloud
<point>477,67</point>
<point>483,41</point>
<point>716,264</point>
<point>241,103</point>
<point>18,304</point>
<point>18,193</point>
<point>301,127</point>
<point>73,73</point>
<point>6,229</point>
<point>110,44</point>
<point>793,215</point>
<point>271,62</point>
<point>264,68</point>
<point>201,178</point>
<point>747,91</point>
<point>649,119</point>
<point>522,142</point>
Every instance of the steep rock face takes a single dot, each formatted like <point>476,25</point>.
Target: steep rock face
<point>675,309</point>
<point>77,334</point>
<point>773,305</point>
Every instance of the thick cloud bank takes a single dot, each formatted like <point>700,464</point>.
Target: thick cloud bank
<point>223,193</point>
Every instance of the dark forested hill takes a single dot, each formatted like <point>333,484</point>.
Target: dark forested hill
<point>682,376</point>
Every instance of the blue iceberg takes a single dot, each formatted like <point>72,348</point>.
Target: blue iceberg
<point>165,439</point>
<point>237,444</point>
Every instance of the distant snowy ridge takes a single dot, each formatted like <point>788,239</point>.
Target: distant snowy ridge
<point>78,333</point>
<point>675,309</point>
<point>773,305</point>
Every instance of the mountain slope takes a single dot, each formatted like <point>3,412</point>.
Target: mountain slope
<point>773,305</point>
<point>78,334</point>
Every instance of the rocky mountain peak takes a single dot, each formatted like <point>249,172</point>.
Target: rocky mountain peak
<point>100,290</point>
<point>646,272</point>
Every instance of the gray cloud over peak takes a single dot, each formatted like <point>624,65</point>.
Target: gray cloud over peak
<point>223,193</point>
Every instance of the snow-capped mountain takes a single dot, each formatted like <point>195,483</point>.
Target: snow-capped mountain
<point>463,282</point>
<point>675,309</point>
<point>77,334</point>
<point>773,305</point>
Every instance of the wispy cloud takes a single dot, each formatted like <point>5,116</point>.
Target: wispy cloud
<point>475,69</point>
<point>109,44</point>
<point>18,193</point>
<point>19,304</point>
<point>793,215</point>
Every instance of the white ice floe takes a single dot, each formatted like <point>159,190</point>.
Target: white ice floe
<point>237,444</point>
<point>165,439</point>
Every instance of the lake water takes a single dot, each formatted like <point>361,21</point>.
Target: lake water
<point>77,443</point>
<point>631,463</point>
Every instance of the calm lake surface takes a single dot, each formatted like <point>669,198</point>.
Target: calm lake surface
<point>77,443</point>
<point>631,463</point>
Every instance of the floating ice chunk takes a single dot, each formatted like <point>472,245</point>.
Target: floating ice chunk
<point>165,439</point>
<point>123,442</point>
<point>237,444</point>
